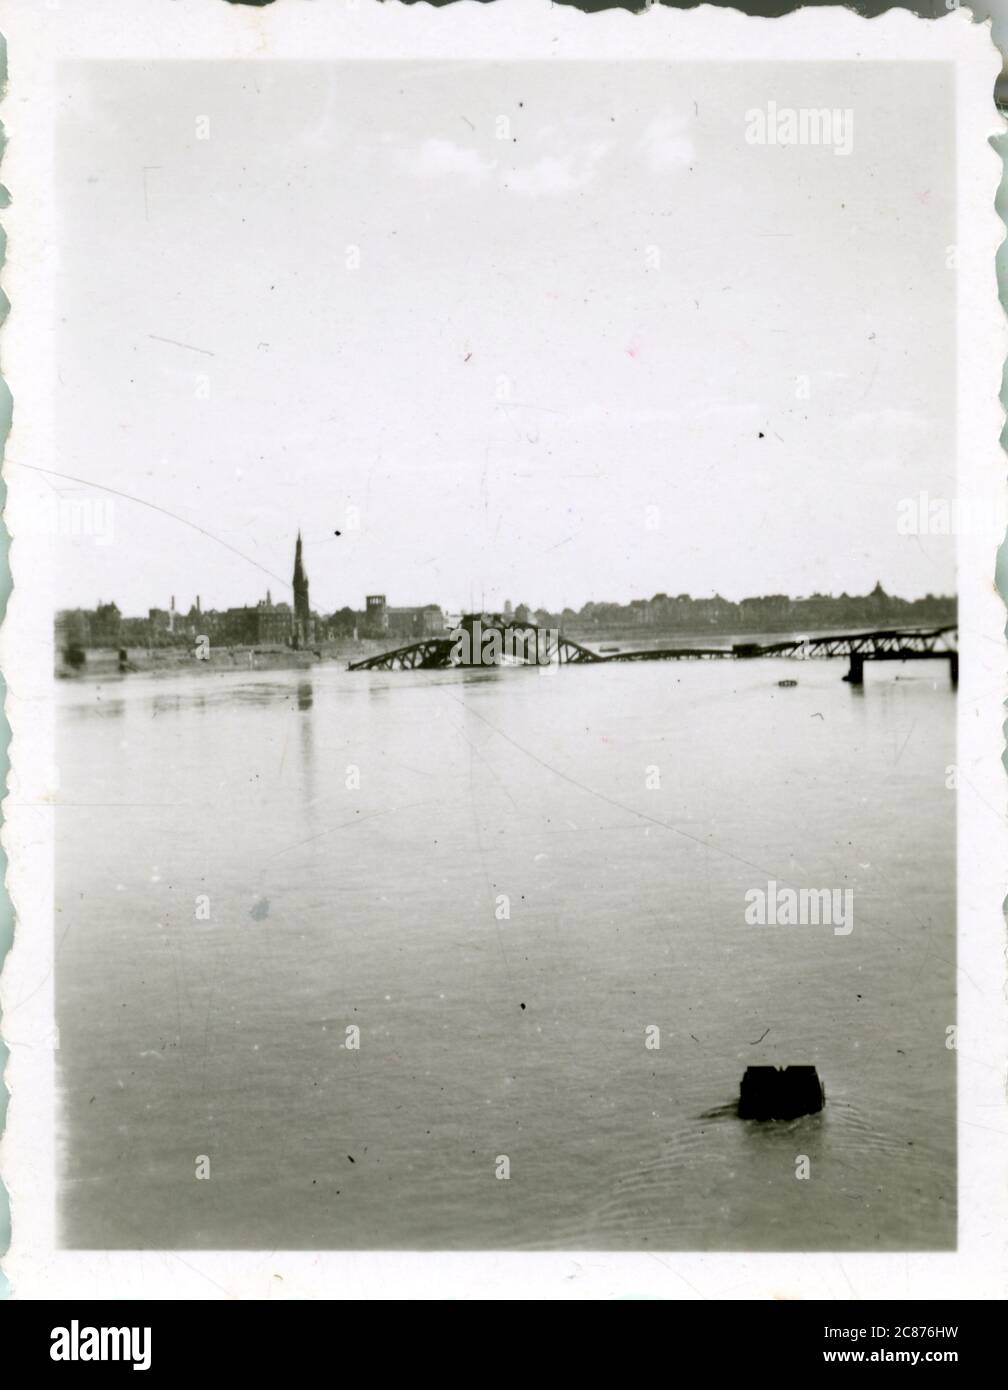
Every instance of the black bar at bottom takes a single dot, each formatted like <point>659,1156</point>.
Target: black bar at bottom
<point>232,1338</point>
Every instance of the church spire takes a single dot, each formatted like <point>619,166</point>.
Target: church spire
<point>302,610</point>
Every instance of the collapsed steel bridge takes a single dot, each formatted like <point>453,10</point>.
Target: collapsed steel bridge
<point>435,653</point>
<point>887,644</point>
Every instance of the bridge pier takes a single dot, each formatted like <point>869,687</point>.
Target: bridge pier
<point>856,673</point>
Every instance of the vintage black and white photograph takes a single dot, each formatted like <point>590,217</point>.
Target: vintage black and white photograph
<point>507,546</point>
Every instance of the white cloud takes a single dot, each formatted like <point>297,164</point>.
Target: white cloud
<point>438,158</point>
<point>572,165</point>
<point>560,173</point>
<point>664,144</point>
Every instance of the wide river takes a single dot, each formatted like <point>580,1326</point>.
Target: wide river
<point>504,879</point>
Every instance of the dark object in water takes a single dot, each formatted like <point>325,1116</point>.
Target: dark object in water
<point>780,1093</point>
<point>787,683</point>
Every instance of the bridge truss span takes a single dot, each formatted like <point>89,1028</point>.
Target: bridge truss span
<point>431,655</point>
<point>886,644</point>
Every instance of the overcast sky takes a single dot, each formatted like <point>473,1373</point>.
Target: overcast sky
<point>521,398</point>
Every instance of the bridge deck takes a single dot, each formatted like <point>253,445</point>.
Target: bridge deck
<point>672,654</point>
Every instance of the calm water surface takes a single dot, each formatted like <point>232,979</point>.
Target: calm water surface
<point>480,1037</point>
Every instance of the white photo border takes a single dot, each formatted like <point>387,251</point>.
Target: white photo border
<point>40,38</point>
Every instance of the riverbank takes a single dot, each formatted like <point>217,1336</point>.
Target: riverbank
<point>105,663</point>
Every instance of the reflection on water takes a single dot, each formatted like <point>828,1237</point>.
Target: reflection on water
<point>503,878</point>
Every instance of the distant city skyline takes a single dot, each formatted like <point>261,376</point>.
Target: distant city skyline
<point>726,385</point>
<point>183,604</point>
<point>266,624</point>
<point>490,600</point>
<point>199,602</point>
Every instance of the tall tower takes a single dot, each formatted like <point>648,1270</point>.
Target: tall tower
<point>302,631</point>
